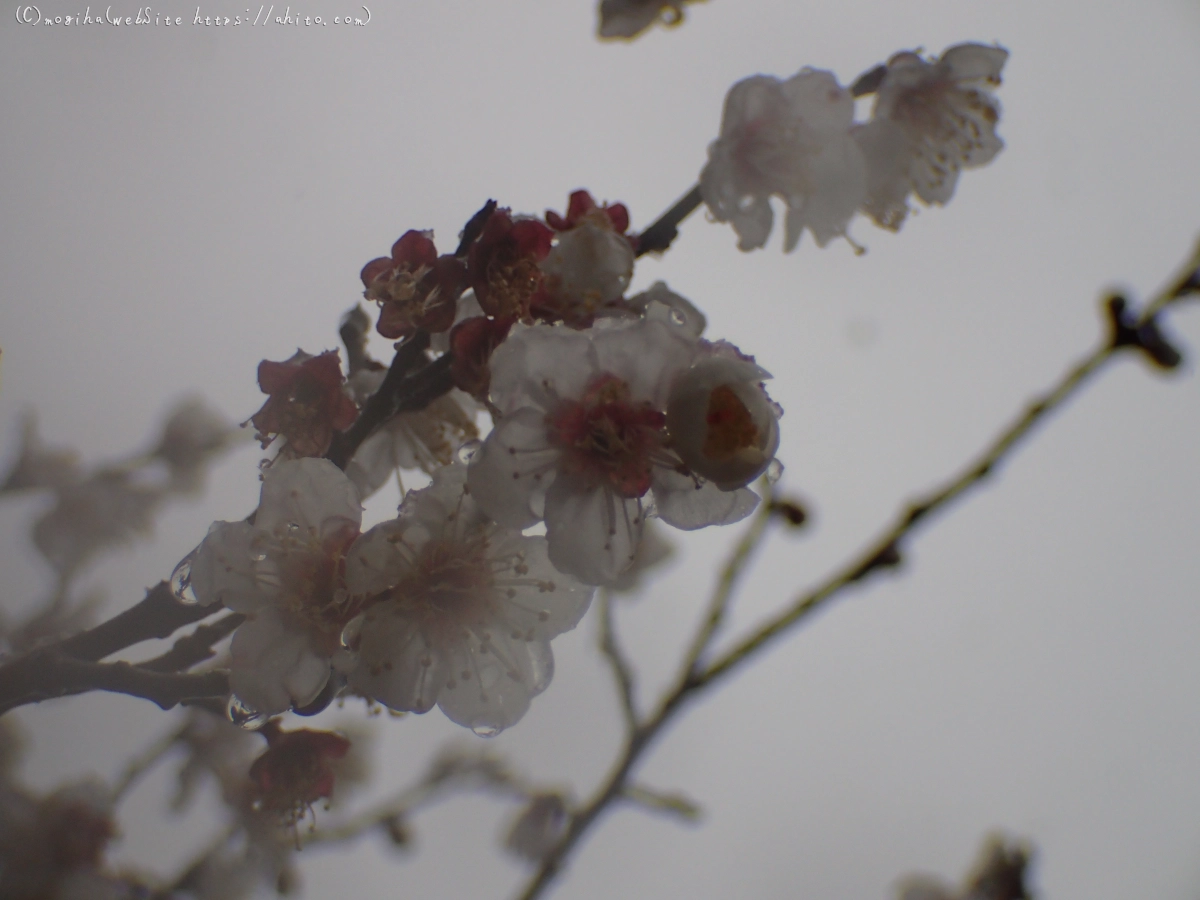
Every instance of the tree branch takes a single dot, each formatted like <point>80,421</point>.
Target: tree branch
<point>881,553</point>
<point>621,669</point>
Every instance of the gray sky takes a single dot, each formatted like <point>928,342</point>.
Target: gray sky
<point>181,203</point>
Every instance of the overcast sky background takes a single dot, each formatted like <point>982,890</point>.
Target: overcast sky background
<point>179,204</point>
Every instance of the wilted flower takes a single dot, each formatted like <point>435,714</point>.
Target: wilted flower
<point>284,572</point>
<point>502,264</point>
<point>584,439</point>
<point>295,771</point>
<point>307,403</point>
<point>788,139</point>
<point>460,611</point>
<point>415,287</point>
<point>931,120</point>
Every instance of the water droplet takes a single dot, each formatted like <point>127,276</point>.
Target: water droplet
<point>181,581</point>
<point>486,731</point>
<point>353,632</point>
<point>293,528</point>
<point>774,471</point>
<point>242,715</point>
<point>468,450</point>
<point>677,316</point>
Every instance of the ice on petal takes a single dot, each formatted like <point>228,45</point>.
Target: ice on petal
<point>312,493</point>
<point>225,570</point>
<point>538,366</point>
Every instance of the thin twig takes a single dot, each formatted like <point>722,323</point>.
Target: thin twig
<point>621,669</point>
<point>195,647</point>
<point>659,235</point>
<point>881,553</point>
<point>654,800</point>
<point>159,615</point>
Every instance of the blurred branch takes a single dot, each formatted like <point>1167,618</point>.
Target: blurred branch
<point>1126,332</point>
<point>159,615</point>
<point>621,669</point>
<point>195,647</point>
<point>662,802</point>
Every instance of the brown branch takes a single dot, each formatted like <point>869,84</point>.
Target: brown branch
<point>195,647</point>
<point>883,552</point>
<point>47,673</point>
<point>159,615</point>
<point>621,669</point>
<point>658,237</point>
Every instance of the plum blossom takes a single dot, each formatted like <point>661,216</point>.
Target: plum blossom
<point>192,436</point>
<point>284,572</point>
<point>931,120</point>
<point>789,139</point>
<point>459,611</point>
<point>295,771</point>
<point>415,287</point>
<point>591,262</point>
<point>502,265</point>
<point>424,439</point>
<point>307,403</point>
<point>583,439</point>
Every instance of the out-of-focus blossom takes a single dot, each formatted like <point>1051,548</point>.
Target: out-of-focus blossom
<point>629,18</point>
<point>590,264</point>
<point>538,828</point>
<point>1000,873</point>
<point>425,439</point>
<point>931,120</point>
<point>583,439</point>
<point>39,466</point>
<point>503,264</point>
<point>284,572</point>
<point>216,748</point>
<point>788,139</point>
<point>107,510</point>
<point>460,611</point>
<point>49,843</point>
<point>193,435</point>
<point>307,403</point>
<point>416,288</point>
<point>295,771</point>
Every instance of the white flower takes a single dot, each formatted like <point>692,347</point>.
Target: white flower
<point>588,268</point>
<point>790,139</point>
<point>284,572</point>
<point>425,439</point>
<point>459,611</point>
<point>931,120</point>
<point>663,304</point>
<point>723,424</point>
<point>583,439</point>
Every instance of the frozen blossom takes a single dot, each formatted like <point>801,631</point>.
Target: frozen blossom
<point>659,302</point>
<point>459,611</point>
<point>284,572</point>
<point>931,120</point>
<point>787,139</point>
<point>583,440</point>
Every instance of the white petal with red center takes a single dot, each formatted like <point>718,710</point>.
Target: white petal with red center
<point>538,366</point>
<point>646,355</point>
<point>593,533</point>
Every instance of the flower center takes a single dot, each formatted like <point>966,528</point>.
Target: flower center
<point>449,579</point>
<point>731,428</point>
<point>607,437</point>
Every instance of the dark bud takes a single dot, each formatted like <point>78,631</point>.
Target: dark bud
<point>398,831</point>
<point>795,515</point>
<point>474,228</point>
<point>1125,331</point>
<point>868,82</point>
<point>887,558</point>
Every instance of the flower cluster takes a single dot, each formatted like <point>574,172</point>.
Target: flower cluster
<point>797,140</point>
